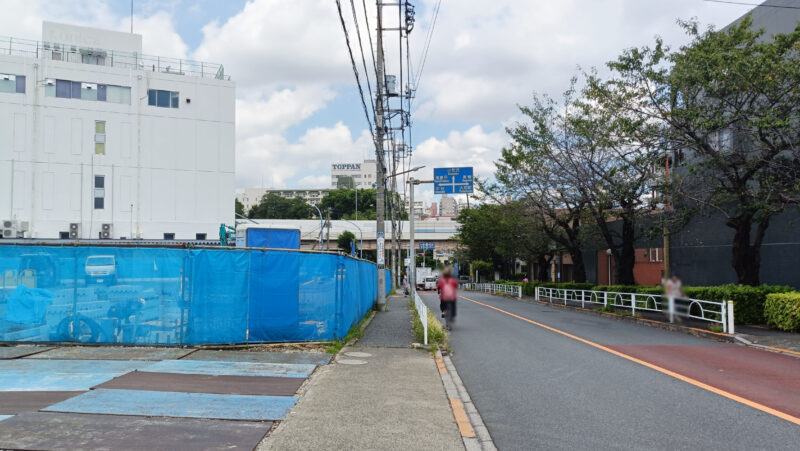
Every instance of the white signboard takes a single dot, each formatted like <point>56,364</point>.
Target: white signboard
<point>381,258</point>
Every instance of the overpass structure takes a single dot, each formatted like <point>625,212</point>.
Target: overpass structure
<point>440,231</point>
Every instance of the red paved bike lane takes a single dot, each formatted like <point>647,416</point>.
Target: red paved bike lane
<point>767,378</point>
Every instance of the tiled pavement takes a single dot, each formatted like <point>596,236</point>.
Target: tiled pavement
<point>129,398</point>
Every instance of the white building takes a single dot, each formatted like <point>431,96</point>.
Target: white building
<point>448,206</point>
<point>363,174</point>
<point>98,140</point>
<point>252,196</point>
<point>420,209</point>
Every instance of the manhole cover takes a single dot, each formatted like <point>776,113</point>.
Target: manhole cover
<point>358,354</point>
<point>351,361</point>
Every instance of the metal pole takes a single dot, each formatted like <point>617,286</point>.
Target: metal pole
<point>412,265</point>
<point>380,179</point>
<point>321,226</point>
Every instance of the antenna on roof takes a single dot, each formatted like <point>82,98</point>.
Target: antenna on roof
<point>131,16</point>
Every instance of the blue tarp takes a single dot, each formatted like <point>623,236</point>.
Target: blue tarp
<point>170,296</point>
<point>273,238</point>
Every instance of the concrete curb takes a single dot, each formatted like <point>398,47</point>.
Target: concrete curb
<point>475,435</point>
<point>743,341</point>
<point>364,326</point>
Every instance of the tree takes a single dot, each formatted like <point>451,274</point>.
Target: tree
<point>273,206</point>
<point>529,171</point>
<point>730,101</point>
<point>344,239</point>
<point>342,204</point>
<point>239,208</point>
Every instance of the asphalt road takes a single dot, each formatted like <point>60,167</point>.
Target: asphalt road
<point>538,389</point>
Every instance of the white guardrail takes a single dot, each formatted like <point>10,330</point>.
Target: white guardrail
<point>717,312</point>
<point>513,290</point>
<point>422,310</point>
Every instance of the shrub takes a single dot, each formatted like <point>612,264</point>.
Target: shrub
<point>639,289</point>
<point>517,277</point>
<point>748,301</point>
<point>782,311</point>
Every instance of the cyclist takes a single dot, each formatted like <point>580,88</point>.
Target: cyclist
<point>447,288</point>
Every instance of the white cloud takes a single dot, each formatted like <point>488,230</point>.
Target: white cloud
<point>271,160</point>
<point>158,34</point>
<point>281,110</point>
<point>277,43</point>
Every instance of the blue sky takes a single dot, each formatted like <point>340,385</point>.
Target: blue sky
<point>297,105</point>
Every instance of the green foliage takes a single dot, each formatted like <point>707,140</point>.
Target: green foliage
<point>273,206</point>
<point>748,301</point>
<point>529,288</point>
<point>482,267</point>
<point>782,311</point>
<point>344,239</point>
<point>436,333</point>
<point>239,209</point>
<point>355,333</point>
<point>342,204</point>
<point>639,289</point>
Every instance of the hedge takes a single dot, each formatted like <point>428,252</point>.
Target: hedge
<point>639,289</point>
<point>748,301</point>
<point>782,311</point>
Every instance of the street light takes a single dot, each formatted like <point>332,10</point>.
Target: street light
<point>361,248</point>
<point>321,225</point>
<point>394,240</point>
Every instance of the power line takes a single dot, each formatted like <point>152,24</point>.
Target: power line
<point>369,35</point>
<point>361,48</point>
<point>753,4</point>
<point>355,69</point>
<point>427,45</point>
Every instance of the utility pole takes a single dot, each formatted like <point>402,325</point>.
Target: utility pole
<point>328,239</point>
<point>380,187</point>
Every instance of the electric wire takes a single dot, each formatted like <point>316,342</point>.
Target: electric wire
<point>355,68</point>
<point>429,38</point>
<point>363,60</point>
<point>752,4</point>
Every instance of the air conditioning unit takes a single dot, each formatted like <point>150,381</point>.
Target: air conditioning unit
<point>74,230</point>
<point>105,231</point>
<point>9,228</point>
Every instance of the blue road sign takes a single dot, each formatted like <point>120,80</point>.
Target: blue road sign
<point>452,180</point>
<point>427,245</point>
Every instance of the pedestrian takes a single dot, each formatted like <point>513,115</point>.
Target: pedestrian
<point>405,284</point>
<point>447,288</point>
<point>525,280</point>
<point>673,286</point>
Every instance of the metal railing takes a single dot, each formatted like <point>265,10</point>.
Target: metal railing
<point>716,312</point>
<point>111,58</point>
<point>422,310</point>
<point>512,290</point>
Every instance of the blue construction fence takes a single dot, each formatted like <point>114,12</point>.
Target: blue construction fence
<point>178,296</point>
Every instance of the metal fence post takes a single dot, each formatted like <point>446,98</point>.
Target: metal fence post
<point>633,304</point>
<point>671,308</point>
<point>520,291</point>
<point>583,299</point>
<point>730,318</point>
<point>605,299</point>
<point>536,293</point>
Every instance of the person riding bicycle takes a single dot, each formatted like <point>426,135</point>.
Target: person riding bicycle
<point>447,288</point>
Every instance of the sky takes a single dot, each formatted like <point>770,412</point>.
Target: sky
<point>297,107</point>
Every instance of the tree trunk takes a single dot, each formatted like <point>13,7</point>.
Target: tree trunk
<point>544,269</point>
<point>746,257</point>
<point>626,258</point>
<point>578,266</point>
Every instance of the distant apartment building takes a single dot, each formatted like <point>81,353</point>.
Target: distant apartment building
<point>448,206</point>
<point>252,196</point>
<point>362,174</point>
<point>420,209</point>
<point>98,140</point>
<point>434,209</point>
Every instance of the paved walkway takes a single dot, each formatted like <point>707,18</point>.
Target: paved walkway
<point>391,329</point>
<point>381,396</point>
<point>145,398</point>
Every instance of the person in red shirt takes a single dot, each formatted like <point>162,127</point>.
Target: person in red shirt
<point>447,288</point>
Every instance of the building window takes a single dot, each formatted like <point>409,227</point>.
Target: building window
<point>99,192</point>
<point>100,137</point>
<point>63,235</point>
<point>67,89</point>
<point>169,236</point>
<point>200,236</point>
<point>12,83</point>
<point>163,99</point>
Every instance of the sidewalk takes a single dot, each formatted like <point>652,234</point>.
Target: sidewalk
<point>379,394</point>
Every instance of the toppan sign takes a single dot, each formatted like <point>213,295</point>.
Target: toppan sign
<point>347,166</point>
